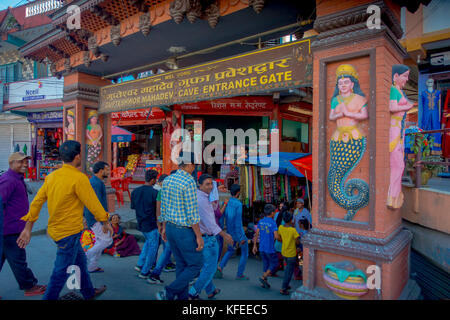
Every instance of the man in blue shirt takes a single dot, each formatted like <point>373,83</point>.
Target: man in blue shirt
<point>267,232</point>
<point>143,200</point>
<point>233,220</point>
<point>103,232</point>
<point>300,213</point>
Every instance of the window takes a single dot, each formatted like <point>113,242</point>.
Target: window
<point>11,72</point>
<point>40,70</point>
<point>295,131</point>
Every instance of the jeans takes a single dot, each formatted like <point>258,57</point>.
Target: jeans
<point>242,261</point>
<point>69,252</point>
<point>220,244</point>
<point>149,251</point>
<point>17,259</point>
<point>290,265</point>
<point>270,261</point>
<point>189,261</point>
<point>204,281</point>
<point>163,260</point>
<point>1,230</point>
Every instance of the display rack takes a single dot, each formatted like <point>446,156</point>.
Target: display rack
<point>48,166</point>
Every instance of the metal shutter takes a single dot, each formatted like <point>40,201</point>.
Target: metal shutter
<point>22,137</point>
<point>5,145</point>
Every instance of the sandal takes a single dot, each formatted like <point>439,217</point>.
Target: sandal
<point>98,270</point>
<point>284,292</point>
<point>216,292</point>
<point>265,283</point>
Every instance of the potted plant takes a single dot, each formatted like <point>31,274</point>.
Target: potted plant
<point>422,143</point>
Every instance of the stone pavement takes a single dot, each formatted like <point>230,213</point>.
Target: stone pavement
<point>123,284</point>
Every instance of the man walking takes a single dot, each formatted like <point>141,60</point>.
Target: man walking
<point>143,200</point>
<point>67,191</point>
<point>179,214</point>
<point>15,205</point>
<point>209,230</point>
<point>102,239</point>
<point>233,220</point>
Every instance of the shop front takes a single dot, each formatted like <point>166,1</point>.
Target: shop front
<point>47,136</point>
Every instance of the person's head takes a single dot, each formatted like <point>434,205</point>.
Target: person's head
<point>150,177</point>
<point>18,162</point>
<point>101,169</point>
<point>205,183</point>
<point>304,224</point>
<point>269,210</point>
<point>235,190</point>
<point>115,219</point>
<point>70,116</point>
<point>347,81</point>
<point>70,153</point>
<point>430,82</point>
<point>93,118</point>
<point>280,205</point>
<point>173,171</point>
<point>161,178</point>
<point>287,217</point>
<point>299,204</point>
<point>186,162</point>
<point>400,75</point>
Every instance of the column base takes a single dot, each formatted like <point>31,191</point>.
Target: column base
<point>410,292</point>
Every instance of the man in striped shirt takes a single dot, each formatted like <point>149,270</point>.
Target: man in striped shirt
<point>180,226</point>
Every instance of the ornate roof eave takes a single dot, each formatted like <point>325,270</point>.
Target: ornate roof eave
<point>43,41</point>
<point>61,15</point>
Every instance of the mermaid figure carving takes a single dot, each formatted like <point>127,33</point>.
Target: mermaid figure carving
<point>348,144</point>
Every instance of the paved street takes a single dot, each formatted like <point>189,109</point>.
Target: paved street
<point>123,283</point>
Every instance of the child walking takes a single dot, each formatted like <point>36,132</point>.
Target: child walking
<point>267,233</point>
<point>289,240</point>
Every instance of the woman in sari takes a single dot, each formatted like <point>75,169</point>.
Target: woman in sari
<point>398,105</point>
<point>124,245</point>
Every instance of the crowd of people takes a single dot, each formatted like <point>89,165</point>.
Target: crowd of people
<point>175,211</point>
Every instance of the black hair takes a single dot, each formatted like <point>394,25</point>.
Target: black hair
<point>186,158</point>
<point>287,216</point>
<point>100,165</point>
<point>284,209</point>
<point>69,150</point>
<point>268,209</point>
<point>304,223</point>
<point>234,189</point>
<point>110,218</point>
<point>173,171</point>
<point>162,177</point>
<point>203,177</point>
<point>150,175</point>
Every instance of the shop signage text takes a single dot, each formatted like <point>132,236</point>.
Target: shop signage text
<point>139,114</point>
<point>45,116</point>
<point>35,90</point>
<point>229,105</point>
<point>284,66</point>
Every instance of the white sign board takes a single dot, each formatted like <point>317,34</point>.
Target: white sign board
<point>36,90</point>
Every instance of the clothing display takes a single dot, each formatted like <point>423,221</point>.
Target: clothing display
<point>446,125</point>
<point>430,119</point>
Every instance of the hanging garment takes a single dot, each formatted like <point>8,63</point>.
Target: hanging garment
<point>242,183</point>
<point>430,119</point>
<point>446,123</point>
<point>268,190</point>
<point>246,185</point>
<point>283,195</point>
<point>274,188</point>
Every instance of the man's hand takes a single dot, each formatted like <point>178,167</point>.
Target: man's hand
<point>163,233</point>
<point>227,238</point>
<point>107,228</point>
<point>24,238</point>
<point>255,250</point>
<point>200,244</point>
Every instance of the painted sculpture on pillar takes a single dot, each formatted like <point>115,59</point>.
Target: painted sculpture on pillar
<point>69,130</point>
<point>94,134</point>
<point>398,105</point>
<point>348,144</point>
<point>446,125</point>
<point>344,280</point>
<point>431,113</point>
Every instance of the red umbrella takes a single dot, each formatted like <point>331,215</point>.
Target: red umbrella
<point>304,165</point>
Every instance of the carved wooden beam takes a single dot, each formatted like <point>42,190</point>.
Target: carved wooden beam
<point>141,5</point>
<point>79,45</point>
<point>93,46</point>
<point>257,5</point>
<point>145,23</point>
<point>104,15</point>
<point>58,52</point>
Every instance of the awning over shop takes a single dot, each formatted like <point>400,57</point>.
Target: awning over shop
<point>304,165</point>
<point>121,135</point>
<point>279,161</point>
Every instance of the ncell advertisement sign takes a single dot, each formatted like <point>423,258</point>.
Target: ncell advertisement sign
<point>35,90</point>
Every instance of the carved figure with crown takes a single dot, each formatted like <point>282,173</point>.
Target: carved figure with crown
<point>348,144</point>
<point>94,134</point>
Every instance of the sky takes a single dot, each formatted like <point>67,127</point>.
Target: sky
<point>4,4</point>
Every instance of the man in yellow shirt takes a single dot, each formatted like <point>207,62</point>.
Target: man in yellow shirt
<point>67,191</point>
<point>289,240</point>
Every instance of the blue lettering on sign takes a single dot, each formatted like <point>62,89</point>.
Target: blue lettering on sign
<point>31,92</point>
<point>33,98</point>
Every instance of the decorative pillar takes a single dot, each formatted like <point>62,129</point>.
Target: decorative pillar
<point>354,234</point>
<point>81,96</point>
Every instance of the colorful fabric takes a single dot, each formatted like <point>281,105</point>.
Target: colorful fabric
<point>179,200</point>
<point>67,191</point>
<point>430,119</point>
<point>288,237</point>
<point>446,123</point>
<point>87,240</point>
